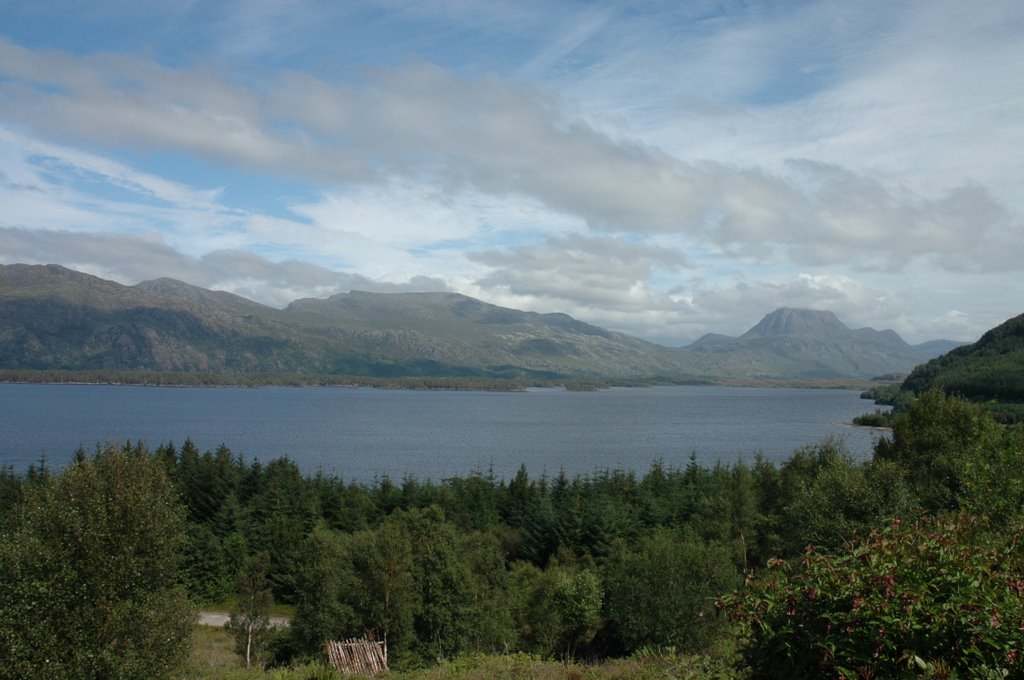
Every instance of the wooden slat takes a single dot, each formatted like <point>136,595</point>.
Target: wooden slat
<point>358,656</point>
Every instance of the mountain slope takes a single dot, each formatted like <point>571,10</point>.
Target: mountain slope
<point>788,321</point>
<point>811,344</point>
<point>454,328</point>
<point>990,369</point>
<point>55,318</point>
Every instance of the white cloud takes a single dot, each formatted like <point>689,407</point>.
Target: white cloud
<point>130,259</point>
<point>617,163</point>
<point>427,125</point>
<point>20,149</point>
<point>500,139</point>
<point>605,272</point>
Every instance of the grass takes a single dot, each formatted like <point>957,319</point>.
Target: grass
<point>286,611</point>
<point>213,649</point>
<point>213,658</point>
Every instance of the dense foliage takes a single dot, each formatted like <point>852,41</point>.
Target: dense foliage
<point>551,566</point>
<point>941,595</point>
<point>938,595</point>
<point>914,560</point>
<point>89,579</point>
<point>992,369</point>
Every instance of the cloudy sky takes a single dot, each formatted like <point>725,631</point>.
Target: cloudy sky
<point>664,169</point>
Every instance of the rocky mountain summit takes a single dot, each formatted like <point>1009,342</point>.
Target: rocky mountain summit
<point>811,343</point>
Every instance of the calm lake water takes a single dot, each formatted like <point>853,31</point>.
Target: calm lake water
<point>365,433</point>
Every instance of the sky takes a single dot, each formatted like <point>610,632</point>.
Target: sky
<point>664,169</point>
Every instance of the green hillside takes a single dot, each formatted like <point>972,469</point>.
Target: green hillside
<point>990,370</point>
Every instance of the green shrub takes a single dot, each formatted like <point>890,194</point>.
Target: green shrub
<point>877,419</point>
<point>88,574</point>
<point>937,598</point>
<point>661,592</point>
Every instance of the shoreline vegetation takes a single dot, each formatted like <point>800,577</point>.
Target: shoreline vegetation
<point>224,379</point>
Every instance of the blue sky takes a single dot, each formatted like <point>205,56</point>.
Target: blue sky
<point>664,169</point>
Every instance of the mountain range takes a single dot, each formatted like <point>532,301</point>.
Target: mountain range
<point>52,318</point>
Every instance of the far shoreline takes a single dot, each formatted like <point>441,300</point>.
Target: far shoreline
<point>463,383</point>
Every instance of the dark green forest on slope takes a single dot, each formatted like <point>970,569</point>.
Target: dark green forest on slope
<point>989,372</point>
<point>906,565</point>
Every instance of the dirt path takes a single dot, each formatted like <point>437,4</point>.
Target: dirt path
<point>220,619</point>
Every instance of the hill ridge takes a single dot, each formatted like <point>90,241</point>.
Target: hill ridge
<point>990,369</point>
<point>53,317</point>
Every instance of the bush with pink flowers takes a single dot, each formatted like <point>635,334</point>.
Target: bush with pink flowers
<point>941,597</point>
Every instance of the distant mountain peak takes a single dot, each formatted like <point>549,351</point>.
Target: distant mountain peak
<point>169,286</point>
<point>793,321</point>
<point>53,317</point>
<point>26,274</point>
<point>190,294</point>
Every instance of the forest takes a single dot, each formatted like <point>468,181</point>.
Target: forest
<point>989,372</point>
<point>905,565</point>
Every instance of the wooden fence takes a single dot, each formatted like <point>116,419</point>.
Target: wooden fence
<point>358,656</point>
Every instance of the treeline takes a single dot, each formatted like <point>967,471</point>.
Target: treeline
<point>248,379</point>
<point>614,562</point>
<point>243,379</point>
